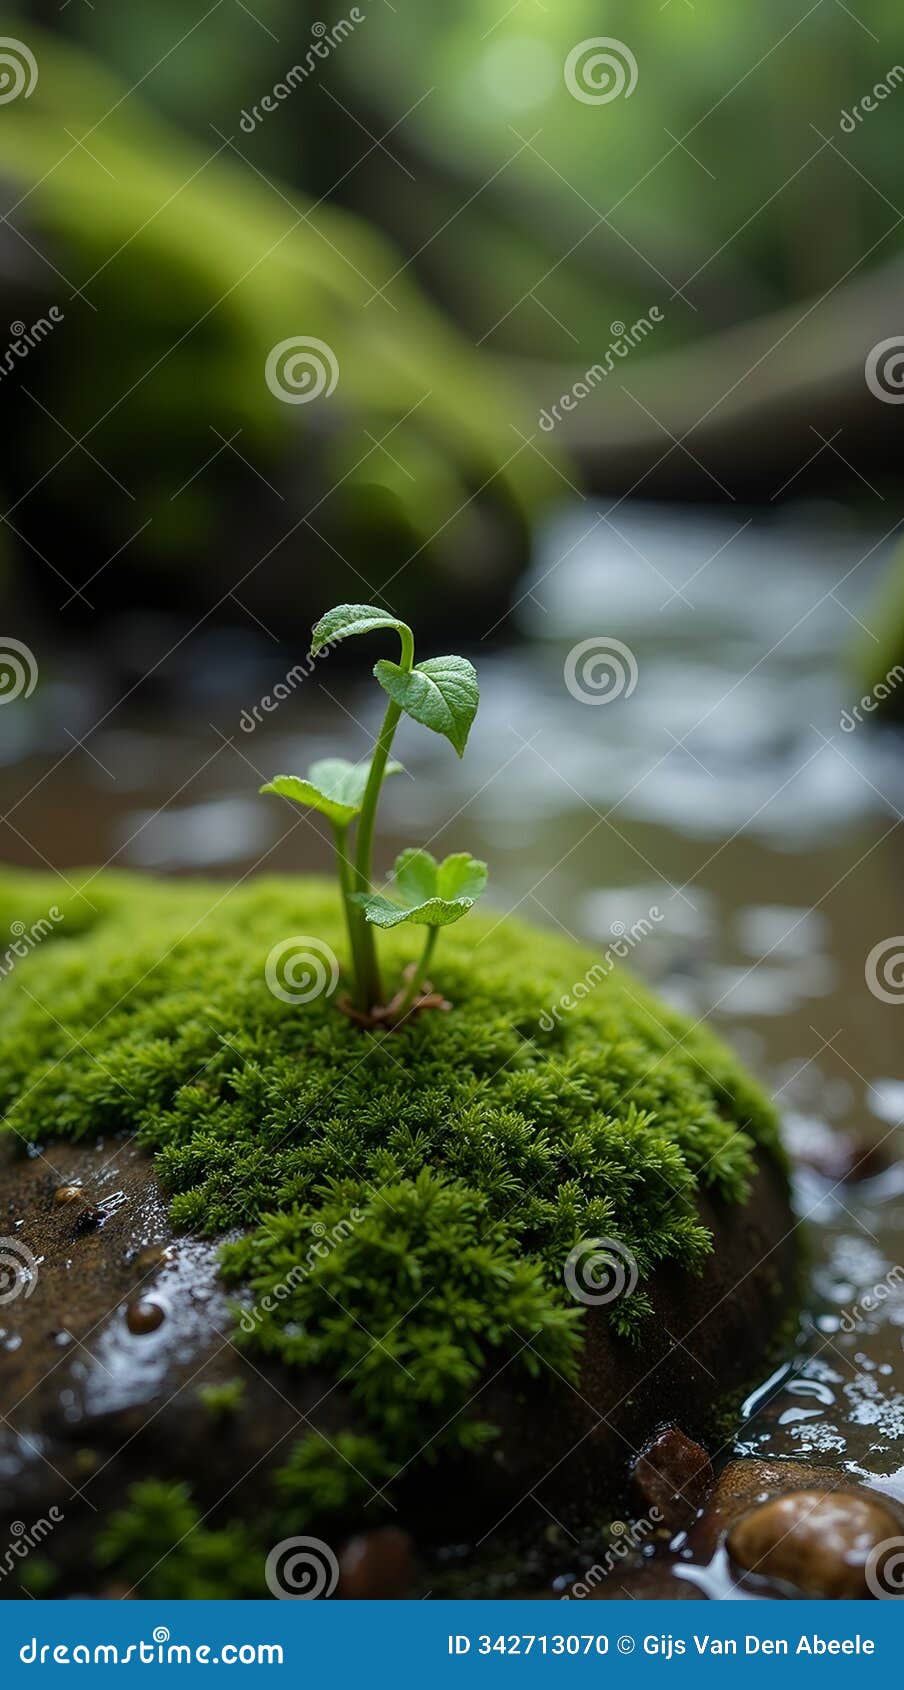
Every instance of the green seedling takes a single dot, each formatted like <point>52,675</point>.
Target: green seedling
<point>442,694</point>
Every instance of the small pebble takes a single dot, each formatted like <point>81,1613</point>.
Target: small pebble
<point>145,1315</point>
<point>69,1194</point>
<point>673,1476</point>
<point>818,1542</point>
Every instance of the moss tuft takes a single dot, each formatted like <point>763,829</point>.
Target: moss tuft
<point>407,1200</point>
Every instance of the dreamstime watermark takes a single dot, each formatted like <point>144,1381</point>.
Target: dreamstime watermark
<point>300,369</point>
<point>18,1270</point>
<point>327,1240</point>
<point>871,102</point>
<point>26,338</point>
<point>300,969</point>
<point>625,1539</point>
<point>24,939</point>
<point>600,669</point>
<point>624,340</point>
<point>301,1569</point>
<point>871,1301</point>
<point>18,669</point>
<point>624,940</point>
<point>251,719</point>
<point>885,970</point>
<point>18,70</point>
<point>599,70</point>
<point>872,700</point>
<point>326,40</point>
<point>884,1570</point>
<point>599,1271</point>
<point>884,370</point>
<point>23,1539</point>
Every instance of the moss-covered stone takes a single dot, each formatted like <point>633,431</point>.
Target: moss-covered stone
<point>406,1200</point>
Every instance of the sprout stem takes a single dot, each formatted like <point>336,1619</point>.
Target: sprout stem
<point>413,986</point>
<point>369,990</point>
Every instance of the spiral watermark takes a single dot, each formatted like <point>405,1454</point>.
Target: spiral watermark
<point>18,669</point>
<point>884,370</point>
<point>300,969</point>
<point>18,70</point>
<point>599,70</point>
<point>18,1270</point>
<point>300,369</point>
<point>301,1569</point>
<point>885,970</point>
<point>884,1570</point>
<point>600,669</point>
<point>600,1270</point>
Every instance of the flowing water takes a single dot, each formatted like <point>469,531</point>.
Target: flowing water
<point>716,819</point>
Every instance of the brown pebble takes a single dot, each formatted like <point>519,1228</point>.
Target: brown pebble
<point>816,1542</point>
<point>69,1194</point>
<point>672,1479</point>
<point>377,1565</point>
<point>145,1315</point>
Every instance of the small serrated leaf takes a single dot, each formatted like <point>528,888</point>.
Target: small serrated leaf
<point>461,876</point>
<point>348,619</point>
<point>432,894</point>
<point>334,787</point>
<point>441,693</point>
<point>416,875</point>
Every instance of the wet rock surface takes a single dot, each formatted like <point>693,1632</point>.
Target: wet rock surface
<point>787,1528</point>
<point>107,1346</point>
<point>817,1543</point>
<point>672,1479</point>
<point>118,1327</point>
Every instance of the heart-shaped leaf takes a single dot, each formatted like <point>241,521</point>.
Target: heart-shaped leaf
<point>333,786</point>
<point>441,693</point>
<point>348,619</point>
<point>431,894</point>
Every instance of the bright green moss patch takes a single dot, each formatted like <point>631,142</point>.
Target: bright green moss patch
<point>408,1199</point>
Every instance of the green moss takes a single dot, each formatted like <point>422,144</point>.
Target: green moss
<point>160,1540</point>
<point>408,1199</point>
<point>223,1401</point>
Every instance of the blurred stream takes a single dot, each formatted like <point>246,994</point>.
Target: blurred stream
<point>721,789</point>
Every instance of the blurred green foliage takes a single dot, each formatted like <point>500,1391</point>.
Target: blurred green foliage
<point>433,169</point>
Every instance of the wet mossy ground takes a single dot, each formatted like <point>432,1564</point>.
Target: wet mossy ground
<point>406,1200</point>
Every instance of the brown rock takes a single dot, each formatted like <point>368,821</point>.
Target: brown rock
<point>816,1542</point>
<point>145,1315</point>
<point>69,1194</point>
<point>377,1565</point>
<point>671,1479</point>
